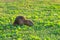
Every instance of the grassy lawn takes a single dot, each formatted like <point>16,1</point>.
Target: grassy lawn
<point>44,13</point>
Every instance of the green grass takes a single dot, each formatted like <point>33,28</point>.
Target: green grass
<point>45,15</point>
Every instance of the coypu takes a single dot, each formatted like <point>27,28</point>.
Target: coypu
<point>20,20</point>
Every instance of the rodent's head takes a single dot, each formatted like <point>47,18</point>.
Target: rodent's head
<point>28,22</point>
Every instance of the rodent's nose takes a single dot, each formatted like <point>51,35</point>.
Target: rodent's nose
<point>31,24</point>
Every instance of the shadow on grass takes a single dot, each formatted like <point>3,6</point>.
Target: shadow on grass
<point>12,27</point>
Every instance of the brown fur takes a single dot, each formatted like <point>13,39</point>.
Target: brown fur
<point>19,20</point>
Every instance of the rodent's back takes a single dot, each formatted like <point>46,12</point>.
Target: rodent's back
<point>19,20</point>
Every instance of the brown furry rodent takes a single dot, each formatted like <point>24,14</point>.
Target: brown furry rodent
<point>19,20</point>
<point>28,22</point>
